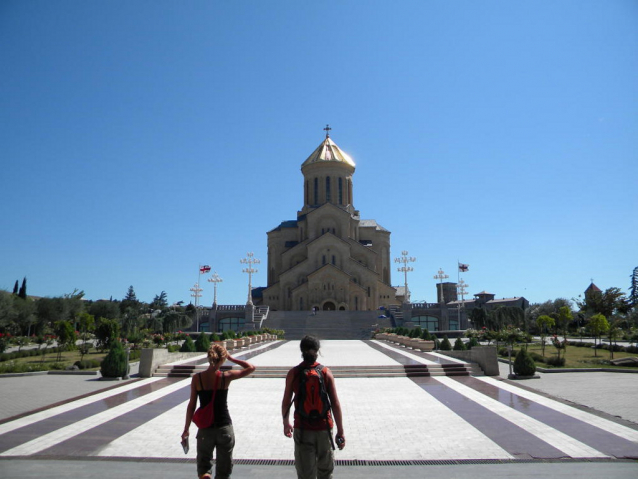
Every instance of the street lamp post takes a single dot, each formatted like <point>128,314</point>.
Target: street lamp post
<point>460,288</point>
<point>249,260</point>
<point>196,294</point>
<point>215,279</point>
<point>405,259</point>
<point>441,276</point>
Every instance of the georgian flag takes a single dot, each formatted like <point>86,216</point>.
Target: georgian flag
<point>463,267</point>
<point>204,269</point>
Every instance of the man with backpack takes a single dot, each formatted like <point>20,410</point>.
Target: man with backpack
<point>315,395</point>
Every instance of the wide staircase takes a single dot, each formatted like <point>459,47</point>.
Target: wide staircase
<point>327,324</point>
<point>412,370</point>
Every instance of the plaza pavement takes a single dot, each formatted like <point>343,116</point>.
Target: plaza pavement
<point>415,427</point>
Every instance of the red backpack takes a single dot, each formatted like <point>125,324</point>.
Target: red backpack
<point>313,401</point>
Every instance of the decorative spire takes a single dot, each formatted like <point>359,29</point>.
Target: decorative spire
<point>327,130</point>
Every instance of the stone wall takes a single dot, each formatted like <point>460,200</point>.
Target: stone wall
<point>485,356</point>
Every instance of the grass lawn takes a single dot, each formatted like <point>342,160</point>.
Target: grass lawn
<point>577,357</point>
<point>49,362</point>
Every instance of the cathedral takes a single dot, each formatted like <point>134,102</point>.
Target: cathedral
<point>328,258</point>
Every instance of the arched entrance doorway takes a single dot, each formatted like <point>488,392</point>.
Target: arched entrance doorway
<point>329,306</point>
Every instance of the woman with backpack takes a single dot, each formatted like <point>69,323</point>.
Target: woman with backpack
<point>214,422</point>
<point>315,395</point>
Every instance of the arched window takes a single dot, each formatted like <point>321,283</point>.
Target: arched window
<point>328,195</point>
<point>316,192</point>
<point>340,191</point>
<point>334,259</point>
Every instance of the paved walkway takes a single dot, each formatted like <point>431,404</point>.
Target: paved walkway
<point>457,426</point>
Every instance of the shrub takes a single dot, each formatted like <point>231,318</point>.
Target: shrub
<point>114,364</point>
<point>214,337</point>
<point>173,348</point>
<point>88,364</point>
<point>188,346</point>
<point>555,361</point>
<point>524,364</point>
<point>536,357</point>
<point>503,352</point>
<point>459,345</point>
<point>202,343</point>
<point>445,344</point>
<point>425,334</point>
<point>473,342</point>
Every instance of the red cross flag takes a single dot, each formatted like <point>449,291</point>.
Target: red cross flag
<point>204,269</point>
<point>463,267</point>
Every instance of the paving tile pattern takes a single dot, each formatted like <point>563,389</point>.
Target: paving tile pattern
<point>423,418</point>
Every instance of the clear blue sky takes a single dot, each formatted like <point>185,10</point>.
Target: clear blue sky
<point>141,139</point>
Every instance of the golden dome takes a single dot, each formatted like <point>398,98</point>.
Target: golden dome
<point>328,151</point>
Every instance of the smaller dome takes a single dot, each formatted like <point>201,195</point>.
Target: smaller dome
<point>328,151</point>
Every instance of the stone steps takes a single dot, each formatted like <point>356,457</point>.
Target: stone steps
<point>452,369</point>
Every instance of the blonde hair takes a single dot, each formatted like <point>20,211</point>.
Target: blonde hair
<point>217,353</point>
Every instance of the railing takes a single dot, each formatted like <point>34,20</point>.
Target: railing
<point>231,307</point>
<point>424,305</point>
<point>260,315</point>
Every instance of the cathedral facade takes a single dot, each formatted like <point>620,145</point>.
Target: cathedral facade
<point>328,258</point>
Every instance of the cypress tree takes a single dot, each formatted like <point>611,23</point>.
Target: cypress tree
<point>15,287</point>
<point>202,343</point>
<point>23,289</point>
<point>188,346</point>
<point>114,364</point>
<point>524,365</point>
<point>459,345</point>
<point>445,344</point>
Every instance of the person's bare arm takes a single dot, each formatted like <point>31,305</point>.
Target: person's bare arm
<point>247,368</point>
<point>336,407</point>
<point>286,404</point>
<point>190,409</point>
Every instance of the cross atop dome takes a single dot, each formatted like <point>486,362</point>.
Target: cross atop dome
<point>327,130</point>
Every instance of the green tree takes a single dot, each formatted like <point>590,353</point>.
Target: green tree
<point>104,309</point>
<point>106,332</point>
<point>445,344</point>
<point>544,323</point>
<point>597,326</point>
<point>188,346</point>
<point>23,289</point>
<point>114,363</point>
<point>202,343</point>
<point>25,315</point>
<point>478,317</point>
<point>564,318</point>
<point>159,301</point>
<point>8,314</point>
<point>15,288</point>
<point>524,365</point>
<point>66,337</point>
<point>459,345</point>
<point>610,302</point>
<point>633,289</point>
